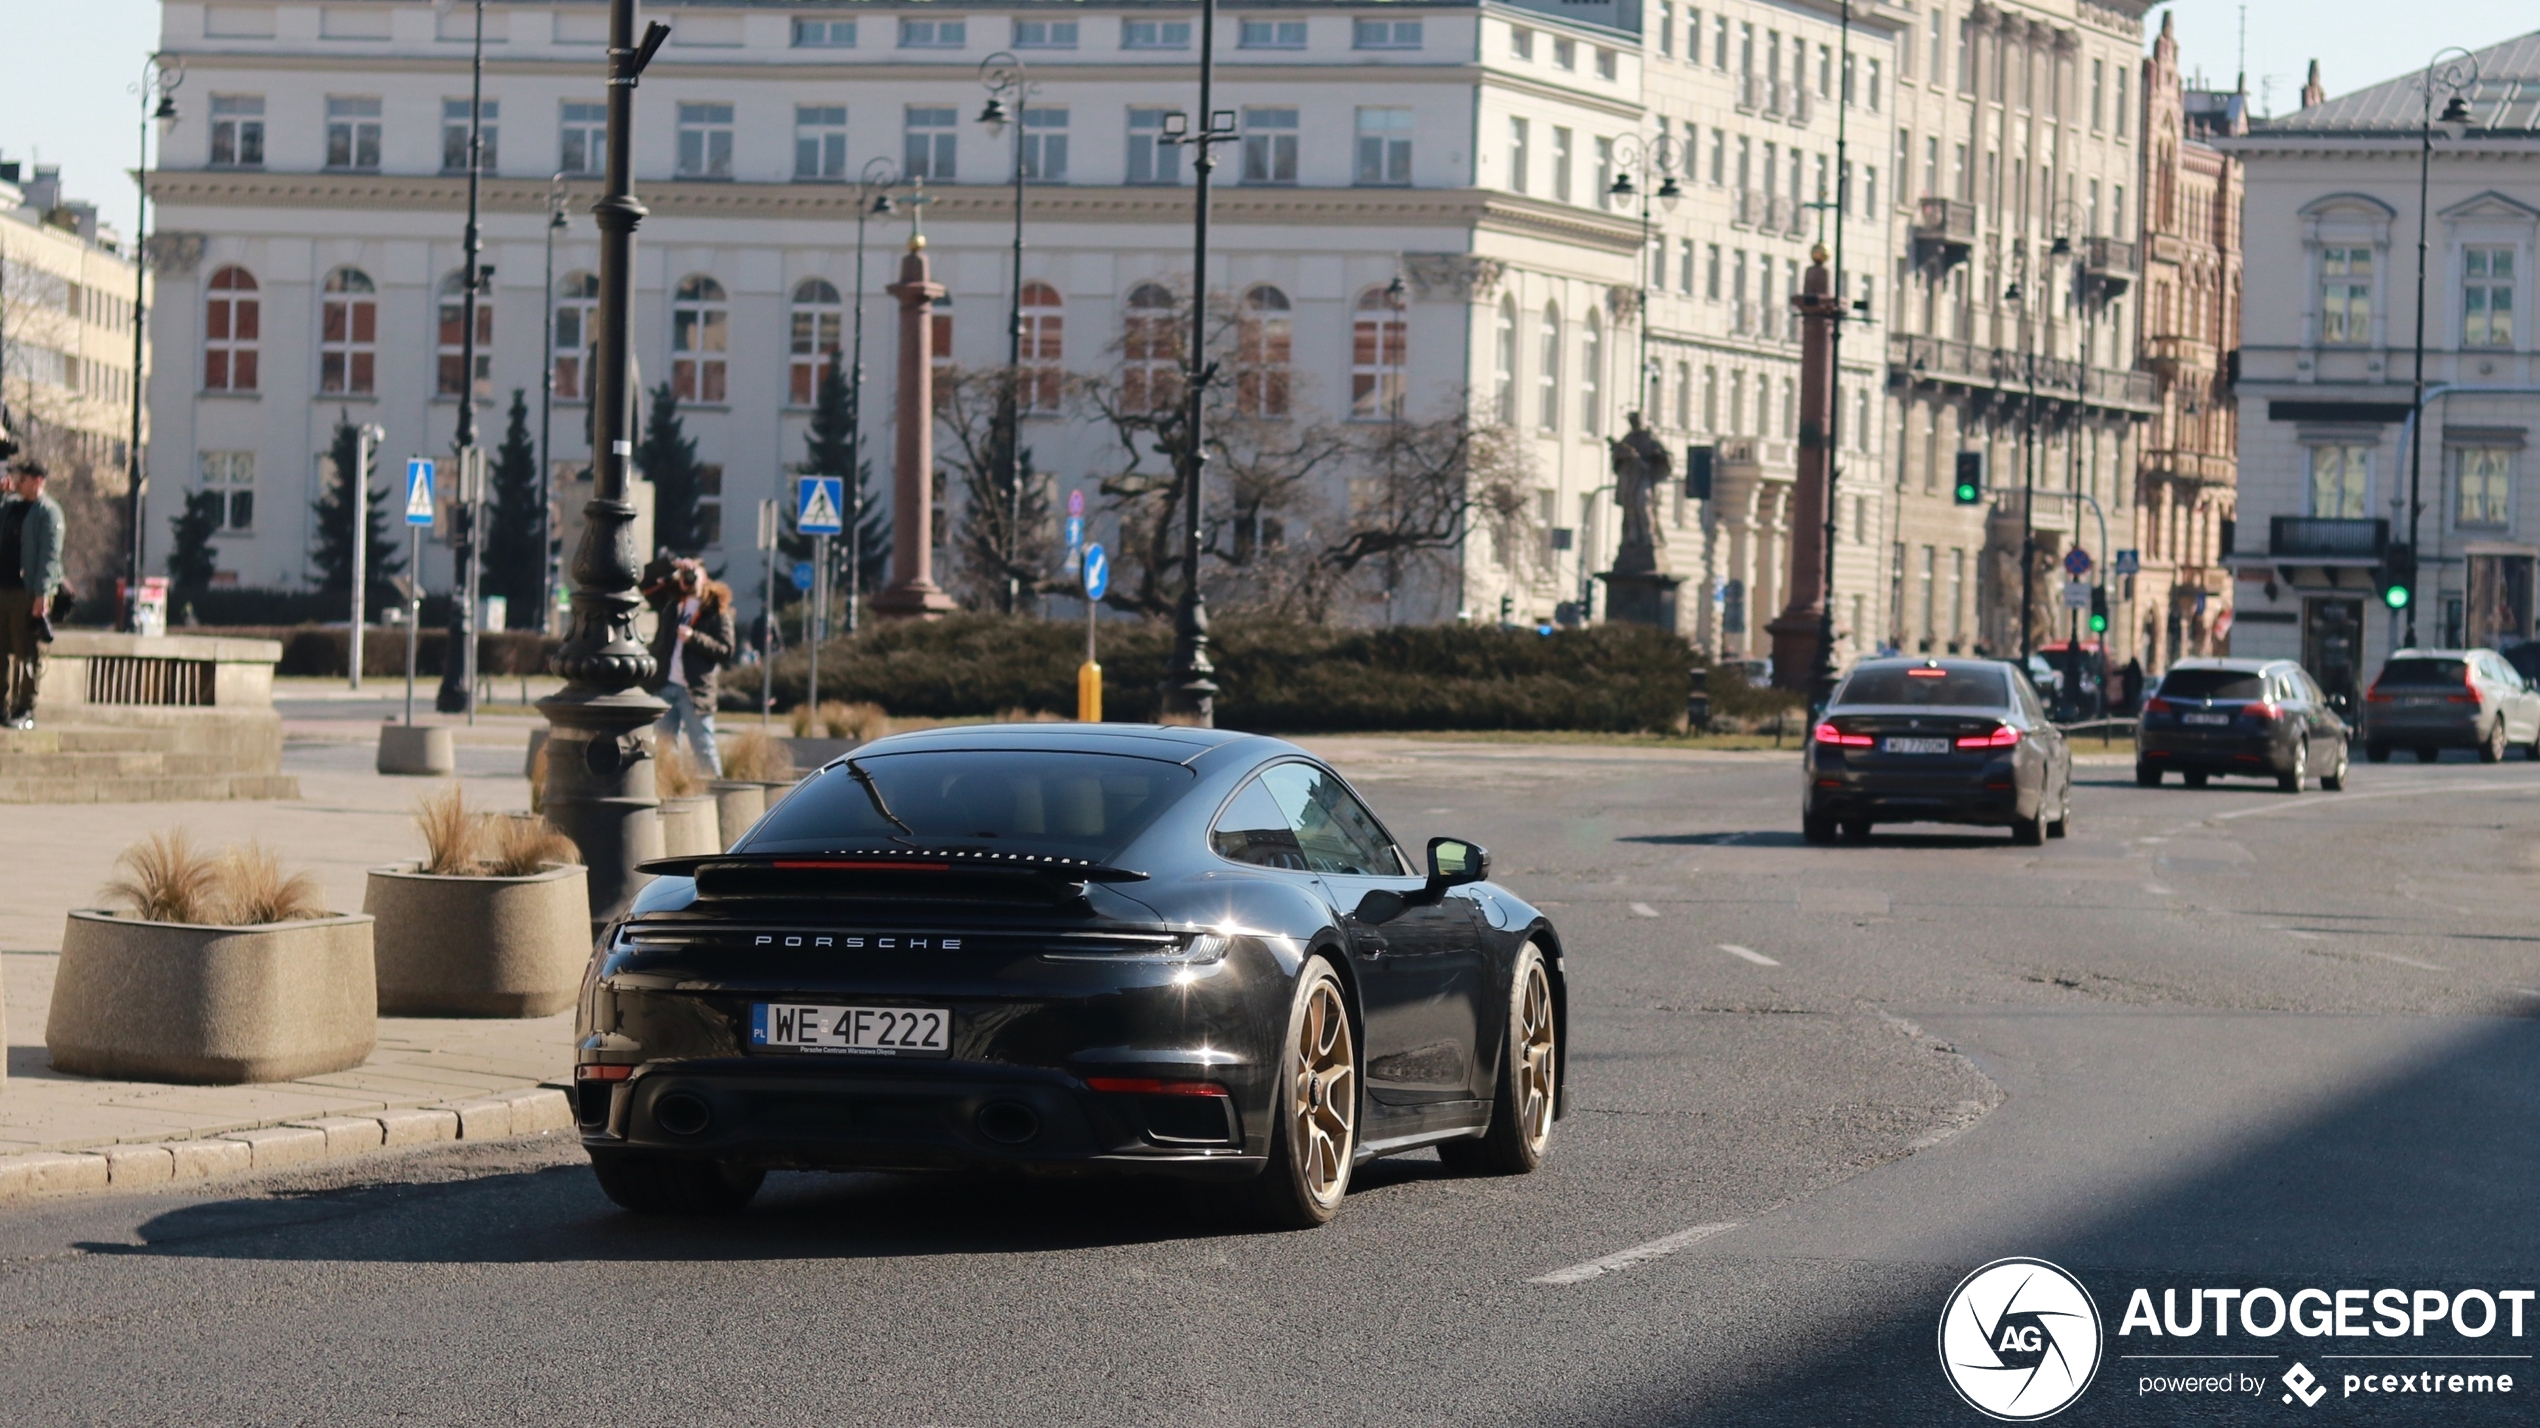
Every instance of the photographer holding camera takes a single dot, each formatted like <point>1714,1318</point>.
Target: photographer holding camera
<point>30,571</point>
<point>692,638</point>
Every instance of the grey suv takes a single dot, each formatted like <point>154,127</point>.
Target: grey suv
<point>2432,700</point>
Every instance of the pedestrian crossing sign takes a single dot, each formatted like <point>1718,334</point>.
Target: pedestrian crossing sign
<point>817,503</point>
<point>419,491</point>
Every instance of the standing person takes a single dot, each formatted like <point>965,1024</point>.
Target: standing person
<point>691,641</point>
<point>30,571</point>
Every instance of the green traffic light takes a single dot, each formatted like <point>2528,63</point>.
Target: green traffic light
<point>1967,495</point>
<point>2099,624</point>
<point>2396,597</point>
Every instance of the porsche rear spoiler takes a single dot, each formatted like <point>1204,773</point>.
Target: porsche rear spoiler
<point>900,860</point>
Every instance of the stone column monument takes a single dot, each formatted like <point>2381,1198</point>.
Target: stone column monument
<point>912,593</point>
<point>1795,630</point>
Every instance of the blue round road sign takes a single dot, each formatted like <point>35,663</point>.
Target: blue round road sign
<point>2077,561</point>
<point>1097,572</point>
<point>802,575</point>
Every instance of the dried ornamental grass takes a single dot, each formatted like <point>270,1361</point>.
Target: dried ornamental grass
<point>1030,716</point>
<point>166,880</point>
<point>453,837</point>
<point>757,757</point>
<point>675,774</point>
<point>837,720</point>
<point>518,846</point>
<point>254,889</point>
<point>538,777</point>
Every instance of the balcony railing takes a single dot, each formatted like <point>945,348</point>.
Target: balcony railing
<point>1803,105</point>
<point>1944,231</point>
<point>2170,354</point>
<point>2199,467</point>
<point>1936,359</point>
<point>2108,255</point>
<point>2332,536</point>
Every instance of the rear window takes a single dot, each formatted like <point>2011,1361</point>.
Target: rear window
<point>1017,801</point>
<point>2213,684</point>
<point>1897,684</point>
<point>2423,673</point>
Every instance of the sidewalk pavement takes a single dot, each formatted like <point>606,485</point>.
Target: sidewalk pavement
<point>429,1079</point>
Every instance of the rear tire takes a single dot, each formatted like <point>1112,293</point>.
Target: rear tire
<point>2491,749</point>
<point>2427,753</point>
<point>650,1183</point>
<point>2028,832</point>
<point>2193,778</point>
<point>1314,1109</point>
<point>2334,780</point>
<point>1528,1087</point>
<point>2377,753</point>
<point>2147,776</point>
<point>1816,827</point>
<point>1856,830</point>
<point>2292,779</point>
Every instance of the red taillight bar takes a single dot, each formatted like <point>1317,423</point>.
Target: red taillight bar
<point>1140,1086</point>
<point>602,1073</point>
<point>2263,709</point>
<point>1827,733</point>
<point>2002,737</point>
<point>2156,705</point>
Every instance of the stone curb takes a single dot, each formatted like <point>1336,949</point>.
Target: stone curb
<point>536,1110</point>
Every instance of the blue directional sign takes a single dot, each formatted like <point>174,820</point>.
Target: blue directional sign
<point>820,504</point>
<point>802,575</point>
<point>1097,572</point>
<point>418,490</point>
<point>1075,531</point>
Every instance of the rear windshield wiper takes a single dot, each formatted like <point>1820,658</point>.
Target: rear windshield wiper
<point>874,792</point>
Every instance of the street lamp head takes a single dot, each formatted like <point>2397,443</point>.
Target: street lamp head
<point>2011,294</point>
<point>995,115</point>
<point>166,112</point>
<point>2456,117</point>
<point>2063,246</point>
<point>1621,187</point>
<point>1669,193</point>
<point>1395,291</point>
<point>884,204</point>
<point>1176,125</point>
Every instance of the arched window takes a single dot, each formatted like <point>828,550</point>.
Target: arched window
<point>699,336</point>
<point>1264,336</point>
<point>1504,364</point>
<point>453,327</point>
<point>577,304</point>
<point>1379,345</point>
<point>1043,334</point>
<point>813,349</point>
<point>1151,350</point>
<point>231,323</point>
<point>1591,365</point>
<point>348,332</point>
<point>1548,374</point>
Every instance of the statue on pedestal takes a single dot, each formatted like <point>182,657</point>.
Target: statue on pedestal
<point>1636,592</point>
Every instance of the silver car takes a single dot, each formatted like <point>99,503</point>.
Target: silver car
<point>2432,700</point>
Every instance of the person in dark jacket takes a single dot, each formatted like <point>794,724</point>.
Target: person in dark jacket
<point>692,639</point>
<point>30,571</point>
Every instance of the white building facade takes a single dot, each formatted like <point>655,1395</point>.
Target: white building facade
<point>2327,362</point>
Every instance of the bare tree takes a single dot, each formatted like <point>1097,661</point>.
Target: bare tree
<point>1003,532</point>
<point>58,423</point>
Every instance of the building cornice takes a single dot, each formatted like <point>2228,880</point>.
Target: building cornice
<point>1235,67</point>
<point>178,189</point>
<point>2380,145</point>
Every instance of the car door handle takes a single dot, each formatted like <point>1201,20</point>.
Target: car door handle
<point>1368,944</point>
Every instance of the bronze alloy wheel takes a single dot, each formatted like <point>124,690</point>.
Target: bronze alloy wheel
<point>1323,1112</point>
<point>1528,1093</point>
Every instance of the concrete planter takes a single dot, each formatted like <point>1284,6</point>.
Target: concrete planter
<point>422,749</point>
<point>737,805</point>
<point>479,946</point>
<point>688,827</point>
<point>173,1001</point>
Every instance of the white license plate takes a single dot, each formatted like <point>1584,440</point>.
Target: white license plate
<point>1914,746</point>
<point>852,1031</point>
<point>2204,718</point>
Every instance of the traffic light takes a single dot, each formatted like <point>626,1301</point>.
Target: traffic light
<point>2099,609</point>
<point>1970,490</point>
<point>1698,462</point>
<point>2398,575</point>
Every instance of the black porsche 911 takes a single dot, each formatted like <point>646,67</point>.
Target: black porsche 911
<point>1068,948</point>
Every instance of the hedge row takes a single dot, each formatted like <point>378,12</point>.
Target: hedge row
<point>325,651</point>
<point>1271,677</point>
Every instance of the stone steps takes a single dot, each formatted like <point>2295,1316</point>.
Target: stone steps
<point>83,739</point>
<point>137,756</point>
<point>146,788</point>
<point>138,764</point>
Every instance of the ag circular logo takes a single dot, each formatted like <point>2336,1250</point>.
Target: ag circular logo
<point>2019,1340</point>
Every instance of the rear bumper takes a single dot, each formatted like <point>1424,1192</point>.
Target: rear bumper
<point>956,1117</point>
<point>2445,730</point>
<point>2250,754</point>
<point>1992,797</point>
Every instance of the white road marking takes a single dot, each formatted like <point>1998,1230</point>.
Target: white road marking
<point>2156,890</point>
<point>2297,932</point>
<point>1749,953</point>
<point>1642,909</point>
<point>2409,962</point>
<point>1637,1254</point>
<point>2528,992</point>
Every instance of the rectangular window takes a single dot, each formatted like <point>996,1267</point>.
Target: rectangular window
<point>2486,477</point>
<point>238,131</point>
<point>1711,279</point>
<point>1666,29</point>
<point>1155,34</point>
<point>1604,173</point>
<point>1874,86</point>
<point>705,141</point>
<point>1385,35</point>
<point>1608,67</point>
<point>1684,266</point>
<point>2098,95</point>
<point>1967,56</point>
<point>1561,143</point>
<point>1045,144</point>
<point>352,132</point>
<point>2487,297</point>
<point>1290,35</point>
<point>231,475</point>
<point>932,136</point>
<point>1152,162</point>
<point>1045,34</point>
<point>1270,146</point>
<point>1711,396</point>
<point>710,504</point>
<point>1565,53</point>
<point>934,34</point>
<point>820,141</point>
<point>2340,481</point>
<point>585,137</point>
<point>1517,135</point>
<point>1825,71</point>
<point>2121,105</point>
<point>1720,42</point>
<point>1869,190</point>
<point>824,34</point>
<point>1719,157</point>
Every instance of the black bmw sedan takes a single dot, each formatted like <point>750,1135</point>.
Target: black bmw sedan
<point>1068,948</point>
<point>1936,741</point>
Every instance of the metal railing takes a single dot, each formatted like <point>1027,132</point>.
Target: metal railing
<point>144,679</point>
<point>1941,359</point>
<point>2348,536</point>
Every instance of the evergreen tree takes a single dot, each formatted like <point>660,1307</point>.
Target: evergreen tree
<point>515,539</point>
<point>826,446</point>
<point>191,558</point>
<point>668,459</point>
<point>333,554</point>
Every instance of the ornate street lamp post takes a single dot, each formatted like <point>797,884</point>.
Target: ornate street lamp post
<point>458,657</point>
<point>599,788</point>
<point>160,77</point>
<point>1658,156</point>
<point>1001,74</point>
<point>556,201</point>
<point>873,200</point>
<point>2458,78</point>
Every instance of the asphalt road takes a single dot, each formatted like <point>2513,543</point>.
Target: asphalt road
<point>2220,1037</point>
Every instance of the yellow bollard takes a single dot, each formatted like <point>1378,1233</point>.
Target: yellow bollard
<point>1089,693</point>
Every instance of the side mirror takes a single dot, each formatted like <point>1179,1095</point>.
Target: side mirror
<point>1454,862</point>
